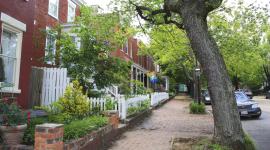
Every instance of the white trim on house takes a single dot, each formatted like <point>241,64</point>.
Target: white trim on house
<point>71,17</point>
<point>139,67</point>
<point>16,71</point>
<point>79,2</point>
<point>13,22</point>
<point>57,12</point>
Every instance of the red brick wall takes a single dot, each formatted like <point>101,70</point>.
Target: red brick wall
<point>141,60</point>
<point>43,20</point>
<point>34,14</point>
<point>24,12</point>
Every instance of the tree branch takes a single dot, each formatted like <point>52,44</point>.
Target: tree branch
<point>212,4</point>
<point>149,18</point>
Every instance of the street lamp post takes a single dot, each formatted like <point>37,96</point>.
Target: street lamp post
<point>198,73</point>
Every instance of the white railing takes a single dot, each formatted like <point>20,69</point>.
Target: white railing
<point>113,90</point>
<point>55,81</point>
<point>156,98</point>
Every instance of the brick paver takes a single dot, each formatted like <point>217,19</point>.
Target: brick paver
<point>170,121</point>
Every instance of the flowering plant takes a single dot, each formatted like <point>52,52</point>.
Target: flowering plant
<point>11,114</point>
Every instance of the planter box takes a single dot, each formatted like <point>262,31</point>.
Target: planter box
<point>13,135</point>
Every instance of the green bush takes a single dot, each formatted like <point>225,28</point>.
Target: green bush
<point>11,113</point>
<point>80,128</point>
<point>196,108</point>
<point>110,104</point>
<point>29,134</point>
<point>132,110</point>
<point>74,102</point>
<point>136,109</point>
<point>62,118</point>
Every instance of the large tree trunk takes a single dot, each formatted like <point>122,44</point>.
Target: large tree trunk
<point>228,128</point>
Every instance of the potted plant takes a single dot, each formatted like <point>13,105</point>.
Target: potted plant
<point>12,122</point>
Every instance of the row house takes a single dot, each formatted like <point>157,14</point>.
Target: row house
<point>22,42</point>
<point>141,65</point>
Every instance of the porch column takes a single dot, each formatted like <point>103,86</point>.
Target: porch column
<point>143,79</point>
<point>131,78</point>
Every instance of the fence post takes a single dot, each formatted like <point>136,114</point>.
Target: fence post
<point>124,108</point>
<point>49,136</point>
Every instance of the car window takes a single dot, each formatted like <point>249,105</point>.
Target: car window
<point>240,97</point>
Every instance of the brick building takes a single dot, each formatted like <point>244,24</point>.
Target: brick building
<point>141,64</point>
<point>22,42</point>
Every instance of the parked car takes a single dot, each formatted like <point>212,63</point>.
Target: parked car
<point>267,95</point>
<point>246,106</point>
<point>247,92</point>
<point>206,97</point>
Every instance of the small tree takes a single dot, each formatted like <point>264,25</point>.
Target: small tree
<point>91,63</point>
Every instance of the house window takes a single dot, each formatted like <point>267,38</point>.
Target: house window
<point>76,40</point>
<point>50,49</point>
<point>71,11</point>
<point>131,50</point>
<point>10,56</point>
<point>53,8</point>
<point>125,47</point>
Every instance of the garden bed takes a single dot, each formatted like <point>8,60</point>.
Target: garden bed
<point>73,130</point>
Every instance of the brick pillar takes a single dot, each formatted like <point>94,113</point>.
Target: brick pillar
<point>113,118</point>
<point>49,137</point>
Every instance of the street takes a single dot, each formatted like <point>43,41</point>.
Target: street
<point>260,129</point>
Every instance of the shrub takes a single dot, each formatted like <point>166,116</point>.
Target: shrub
<point>136,109</point>
<point>74,102</point>
<point>109,104</point>
<point>196,108</point>
<point>29,134</point>
<point>80,128</point>
<point>11,113</point>
<point>62,118</point>
<point>132,110</point>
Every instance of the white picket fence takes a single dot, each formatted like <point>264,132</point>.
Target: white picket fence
<point>101,103</point>
<point>156,98</point>
<point>55,81</point>
<point>122,104</point>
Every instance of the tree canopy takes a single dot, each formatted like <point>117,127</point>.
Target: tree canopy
<point>240,33</point>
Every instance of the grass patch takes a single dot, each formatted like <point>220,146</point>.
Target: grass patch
<point>249,143</point>
<point>207,144</point>
<point>196,108</point>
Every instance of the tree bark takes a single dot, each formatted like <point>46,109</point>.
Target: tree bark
<point>228,128</point>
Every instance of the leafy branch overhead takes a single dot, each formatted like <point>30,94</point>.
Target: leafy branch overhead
<point>171,11</point>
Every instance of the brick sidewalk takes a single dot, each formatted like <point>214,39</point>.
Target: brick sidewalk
<point>169,121</point>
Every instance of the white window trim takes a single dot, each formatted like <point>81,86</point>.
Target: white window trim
<point>13,22</point>
<point>19,33</point>
<point>56,17</point>
<point>72,4</point>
